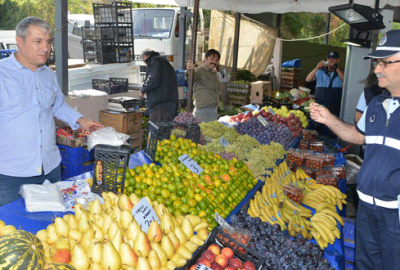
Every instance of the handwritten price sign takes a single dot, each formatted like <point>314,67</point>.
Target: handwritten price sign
<point>262,120</point>
<point>144,214</point>
<point>191,164</point>
<point>224,142</point>
<point>271,111</point>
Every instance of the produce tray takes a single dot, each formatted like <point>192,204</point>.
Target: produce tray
<point>218,236</point>
<point>111,86</point>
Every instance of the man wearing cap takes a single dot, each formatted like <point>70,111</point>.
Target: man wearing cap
<point>378,181</point>
<point>328,90</point>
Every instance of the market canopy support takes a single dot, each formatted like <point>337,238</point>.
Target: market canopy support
<point>193,54</point>
<point>61,43</point>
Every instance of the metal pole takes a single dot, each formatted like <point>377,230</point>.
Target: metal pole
<point>328,21</point>
<point>182,39</point>
<point>61,43</point>
<point>193,53</point>
<point>236,42</point>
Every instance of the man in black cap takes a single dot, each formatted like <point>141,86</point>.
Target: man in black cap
<point>328,91</point>
<point>378,181</point>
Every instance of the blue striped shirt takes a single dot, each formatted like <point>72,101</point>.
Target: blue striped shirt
<point>29,101</point>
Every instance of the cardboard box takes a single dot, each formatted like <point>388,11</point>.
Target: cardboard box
<point>260,89</point>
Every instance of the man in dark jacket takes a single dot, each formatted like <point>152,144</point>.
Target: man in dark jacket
<point>160,87</point>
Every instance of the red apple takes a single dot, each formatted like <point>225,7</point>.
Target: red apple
<point>216,266</point>
<point>215,249</point>
<point>209,255</point>
<point>228,252</point>
<point>221,260</point>
<point>204,261</point>
<point>248,265</point>
<point>235,263</point>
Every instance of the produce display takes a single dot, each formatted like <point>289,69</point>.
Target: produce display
<point>275,205</point>
<point>106,236</point>
<point>219,188</point>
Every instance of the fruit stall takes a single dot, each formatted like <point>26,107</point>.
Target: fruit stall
<point>254,190</point>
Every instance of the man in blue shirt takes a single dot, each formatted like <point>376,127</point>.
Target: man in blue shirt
<point>378,185</point>
<point>30,98</point>
<point>328,90</point>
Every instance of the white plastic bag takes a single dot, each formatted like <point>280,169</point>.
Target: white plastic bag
<point>41,198</point>
<point>107,136</point>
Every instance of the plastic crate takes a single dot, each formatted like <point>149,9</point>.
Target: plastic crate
<point>6,53</point>
<point>349,266</point>
<point>111,86</point>
<point>122,122</point>
<point>91,33</point>
<point>180,77</point>
<point>116,12</point>
<point>349,235</point>
<point>75,155</point>
<point>71,170</point>
<point>99,52</point>
<point>242,252</point>
<point>159,131</point>
<point>109,160</point>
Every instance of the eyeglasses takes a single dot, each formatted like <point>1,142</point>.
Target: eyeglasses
<point>382,63</point>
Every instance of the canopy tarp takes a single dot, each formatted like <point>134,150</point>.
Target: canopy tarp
<point>273,6</point>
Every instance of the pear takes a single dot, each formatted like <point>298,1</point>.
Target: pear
<point>194,219</point>
<point>143,264</point>
<point>155,205</point>
<point>164,267</point>
<point>110,259</point>
<point>87,238</point>
<point>167,225</point>
<point>75,234</point>
<point>171,265</point>
<point>176,223</point>
<point>142,245</point>
<point>203,234</point>
<point>149,201</point>
<point>83,224</point>
<point>73,222</point>
<point>61,227</point>
<point>62,243</point>
<point>107,207</point>
<point>167,246</point>
<point>134,199</point>
<point>116,214</point>
<point>72,243</point>
<point>180,235</point>
<point>174,240</point>
<point>65,217</point>
<point>95,266</point>
<point>125,203</point>
<point>42,235</point>
<point>99,220</point>
<point>94,252</point>
<point>201,225</point>
<point>91,218</point>
<point>197,240</point>
<point>154,260</point>
<point>130,268</point>
<point>98,233</point>
<point>182,250</point>
<point>105,197</point>
<point>106,223</point>
<point>96,208</point>
<point>154,233</point>
<point>125,218</point>
<point>128,255</point>
<point>192,247</point>
<point>179,219</point>
<point>79,259</point>
<point>79,209</point>
<point>113,197</point>
<point>112,229</point>
<point>2,224</point>
<point>187,227</point>
<point>160,252</point>
<point>52,236</point>
<point>161,210</point>
<point>133,230</point>
<point>117,239</point>
<point>178,260</point>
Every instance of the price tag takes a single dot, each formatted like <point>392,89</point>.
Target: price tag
<point>271,111</point>
<point>202,267</point>
<point>144,214</point>
<point>191,164</point>
<point>224,142</point>
<point>221,221</point>
<point>262,120</point>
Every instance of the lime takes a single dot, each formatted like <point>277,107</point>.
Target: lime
<point>173,196</point>
<point>172,188</point>
<point>160,199</point>
<point>184,208</point>
<point>165,193</point>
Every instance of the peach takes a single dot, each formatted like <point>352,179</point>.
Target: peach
<point>221,260</point>
<point>235,263</point>
<point>60,256</point>
<point>209,255</point>
<point>215,249</point>
<point>204,261</point>
<point>248,265</point>
<point>228,252</point>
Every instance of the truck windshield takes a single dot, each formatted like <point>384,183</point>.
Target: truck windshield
<point>152,23</point>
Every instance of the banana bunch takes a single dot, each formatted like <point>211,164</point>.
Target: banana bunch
<point>299,224</point>
<point>327,194</point>
<point>323,225</point>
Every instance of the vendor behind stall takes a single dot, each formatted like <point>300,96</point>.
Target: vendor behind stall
<point>30,98</point>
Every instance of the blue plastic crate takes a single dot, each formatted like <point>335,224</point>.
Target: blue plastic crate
<point>75,155</point>
<point>349,232</point>
<point>68,170</point>
<point>349,266</point>
<point>180,77</point>
<point>348,253</point>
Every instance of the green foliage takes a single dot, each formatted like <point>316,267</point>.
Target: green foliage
<point>245,75</point>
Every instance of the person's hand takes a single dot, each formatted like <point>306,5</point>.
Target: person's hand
<point>190,65</point>
<point>321,64</point>
<point>89,125</point>
<point>319,113</point>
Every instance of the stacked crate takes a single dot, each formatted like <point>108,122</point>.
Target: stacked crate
<point>349,232</point>
<point>111,39</point>
<point>75,161</point>
<point>129,123</point>
<point>239,93</point>
<point>290,78</point>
